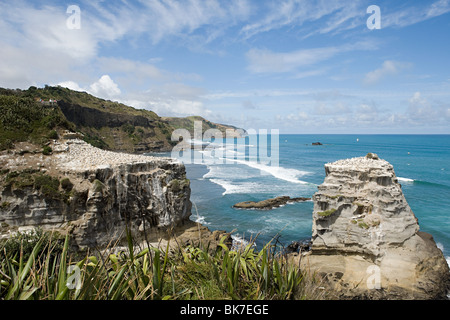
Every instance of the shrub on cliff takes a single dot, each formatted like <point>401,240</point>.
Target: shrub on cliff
<point>32,178</point>
<point>24,119</point>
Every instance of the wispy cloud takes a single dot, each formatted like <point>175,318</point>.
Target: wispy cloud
<point>266,61</point>
<point>333,16</point>
<point>413,14</point>
<point>388,68</point>
<point>206,18</point>
<point>289,13</point>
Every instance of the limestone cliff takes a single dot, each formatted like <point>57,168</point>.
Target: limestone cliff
<point>366,239</point>
<point>92,193</point>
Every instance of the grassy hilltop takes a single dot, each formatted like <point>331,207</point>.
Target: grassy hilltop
<point>39,114</point>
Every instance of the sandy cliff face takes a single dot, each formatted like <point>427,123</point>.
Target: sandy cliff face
<point>106,191</point>
<point>366,239</point>
<point>360,207</point>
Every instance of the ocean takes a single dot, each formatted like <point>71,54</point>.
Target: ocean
<point>421,162</point>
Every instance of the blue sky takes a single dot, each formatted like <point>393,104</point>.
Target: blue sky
<point>297,66</point>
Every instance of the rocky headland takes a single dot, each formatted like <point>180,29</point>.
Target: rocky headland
<point>366,242</point>
<point>95,194</point>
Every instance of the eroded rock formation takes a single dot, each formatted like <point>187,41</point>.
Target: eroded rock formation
<point>94,194</point>
<point>366,240</point>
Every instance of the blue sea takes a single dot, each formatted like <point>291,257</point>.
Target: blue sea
<point>421,162</point>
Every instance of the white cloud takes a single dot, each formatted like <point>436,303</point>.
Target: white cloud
<point>169,99</point>
<point>45,28</point>
<point>166,107</point>
<point>422,111</point>
<point>105,87</point>
<point>38,48</point>
<point>388,68</point>
<point>72,85</point>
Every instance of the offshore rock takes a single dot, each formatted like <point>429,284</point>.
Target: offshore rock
<point>366,241</point>
<point>269,203</point>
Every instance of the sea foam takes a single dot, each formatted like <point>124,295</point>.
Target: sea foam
<point>441,247</point>
<point>241,187</point>
<point>286,174</point>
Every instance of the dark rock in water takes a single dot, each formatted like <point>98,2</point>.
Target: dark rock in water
<point>269,203</point>
<point>299,246</point>
<point>317,144</point>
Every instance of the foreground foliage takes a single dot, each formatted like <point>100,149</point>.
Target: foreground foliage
<point>48,271</point>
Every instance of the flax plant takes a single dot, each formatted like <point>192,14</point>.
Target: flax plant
<point>186,272</point>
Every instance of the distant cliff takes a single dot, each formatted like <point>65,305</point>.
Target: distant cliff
<point>366,240</point>
<point>103,123</point>
<point>188,124</point>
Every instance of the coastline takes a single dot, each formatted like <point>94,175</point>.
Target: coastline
<point>424,193</point>
<point>89,164</point>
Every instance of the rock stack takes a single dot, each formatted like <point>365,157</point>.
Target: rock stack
<point>366,240</point>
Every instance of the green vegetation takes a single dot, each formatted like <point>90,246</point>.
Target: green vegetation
<point>66,184</point>
<point>18,180</point>
<point>53,135</point>
<point>128,128</point>
<point>326,213</point>
<point>45,269</point>
<point>75,97</point>
<point>32,178</point>
<point>334,196</point>
<point>46,150</point>
<point>23,119</point>
<point>24,243</point>
<point>95,141</point>
<point>49,186</point>
<point>178,185</point>
<point>98,186</point>
<point>5,205</point>
<point>363,225</point>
